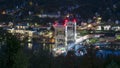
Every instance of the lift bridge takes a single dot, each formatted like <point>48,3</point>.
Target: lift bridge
<point>66,36</point>
<point>65,33</point>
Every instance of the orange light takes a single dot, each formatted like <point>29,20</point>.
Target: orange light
<point>52,40</point>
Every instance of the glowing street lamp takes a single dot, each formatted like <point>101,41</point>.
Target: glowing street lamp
<point>89,26</point>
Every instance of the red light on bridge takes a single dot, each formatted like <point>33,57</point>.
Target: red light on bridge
<point>55,24</point>
<point>66,20</point>
<point>64,24</point>
<point>74,20</point>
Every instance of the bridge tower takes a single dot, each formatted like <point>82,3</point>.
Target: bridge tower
<point>65,33</point>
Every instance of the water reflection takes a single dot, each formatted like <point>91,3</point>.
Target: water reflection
<point>30,45</point>
<point>107,53</point>
<point>37,45</point>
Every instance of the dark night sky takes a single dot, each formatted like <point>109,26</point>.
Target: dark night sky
<point>94,3</point>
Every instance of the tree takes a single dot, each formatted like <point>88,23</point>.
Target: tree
<point>20,60</point>
<point>113,65</point>
<point>11,53</point>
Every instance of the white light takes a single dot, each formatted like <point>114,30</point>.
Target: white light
<point>30,45</point>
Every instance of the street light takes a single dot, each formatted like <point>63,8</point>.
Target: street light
<point>89,26</point>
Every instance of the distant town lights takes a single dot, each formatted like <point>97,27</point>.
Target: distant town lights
<point>3,12</point>
<point>30,3</point>
<point>89,25</point>
<point>99,18</point>
<point>67,15</point>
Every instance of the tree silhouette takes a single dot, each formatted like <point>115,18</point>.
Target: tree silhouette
<point>11,53</point>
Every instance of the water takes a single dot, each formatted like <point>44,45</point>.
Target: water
<point>107,53</point>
